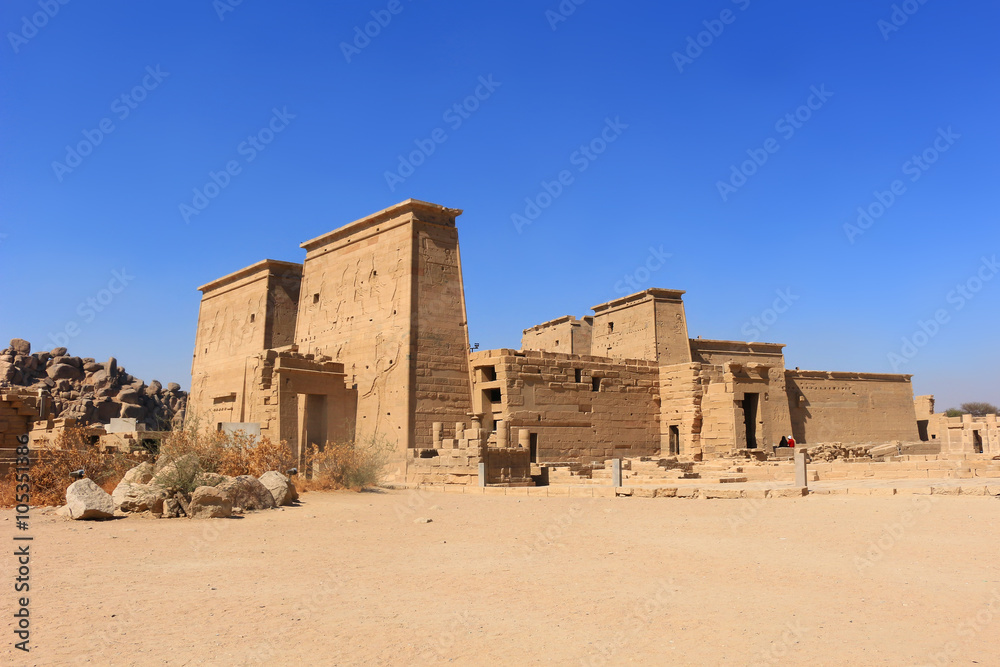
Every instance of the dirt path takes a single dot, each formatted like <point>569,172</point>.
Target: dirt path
<point>351,579</point>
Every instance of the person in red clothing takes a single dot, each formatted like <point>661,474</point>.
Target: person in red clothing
<point>791,441</point>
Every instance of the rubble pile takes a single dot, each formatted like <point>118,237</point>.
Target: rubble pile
<point>831,451</point>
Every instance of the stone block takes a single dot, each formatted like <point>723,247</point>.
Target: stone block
<point>794,492</point>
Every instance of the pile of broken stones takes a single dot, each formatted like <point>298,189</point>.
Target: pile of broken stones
<point>142,491</point>
<point>91,392</point>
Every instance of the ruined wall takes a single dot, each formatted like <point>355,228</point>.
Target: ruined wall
<point>963,434</point>
<point>565,334</point>
<point>240,316</point>
<point>17,412</point>
<point>383,296</point>
<point>851,408</point>
<point>299,399</point>
<point>613,410</point>
<point>681,393</point>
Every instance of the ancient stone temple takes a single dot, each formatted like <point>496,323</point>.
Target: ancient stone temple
<point>368,338</point>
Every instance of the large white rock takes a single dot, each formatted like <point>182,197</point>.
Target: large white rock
<point>281,487</point>
<point>86,500</point>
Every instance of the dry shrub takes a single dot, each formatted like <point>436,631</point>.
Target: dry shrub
<point>353,465</point>
<point>50,469</point>
<point>193,451</point>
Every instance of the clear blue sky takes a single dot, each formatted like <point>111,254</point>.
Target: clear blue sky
<point>554,86</point>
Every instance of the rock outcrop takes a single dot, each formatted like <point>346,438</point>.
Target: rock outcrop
<point>89,391</point>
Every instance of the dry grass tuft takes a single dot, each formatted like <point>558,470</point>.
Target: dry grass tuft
<point>50,469</point>
<point>354,465</point>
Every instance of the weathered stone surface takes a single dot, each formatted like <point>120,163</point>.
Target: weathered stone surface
<point>171,509</point>
<point>281,487</point>
<point>86,500</point>
<point>208,502</point>
<point>247,493</point>
<point>141,474</point>
<point>130,497</point>
<point>210,479</point>
<point>20,346</point>
<point>129,395</point>
<point>64,372</point>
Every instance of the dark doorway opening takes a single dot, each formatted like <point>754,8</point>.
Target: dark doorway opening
<point>533,447</point>
<point>977,442</point>
<point>750,403</point>
<point>675,440</point>
<point>922,430</point>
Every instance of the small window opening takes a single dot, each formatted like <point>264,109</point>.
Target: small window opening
<point>611,327</point>
<point>579,375</point>
<point>595,384</point>
<point>495,395</point>
<point>316,297</point>
<point>253,316</point>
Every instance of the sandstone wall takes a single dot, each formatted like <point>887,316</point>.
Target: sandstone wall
<point>383,296</point>
<point>241,315</point>
<point>649,325</point>
<point>17,411</point>
<point>581,408</point>
<point>625,330</point>
<point>565,334</point>
<point>851,408</point>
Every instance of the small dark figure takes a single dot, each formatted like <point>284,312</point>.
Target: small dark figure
<point>784,442</point>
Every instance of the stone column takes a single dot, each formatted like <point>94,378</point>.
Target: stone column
<point>436,428</point>
<point>502,439</point>
<point>524,438</point>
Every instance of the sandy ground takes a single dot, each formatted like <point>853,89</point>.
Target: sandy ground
<point>351,579</point>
